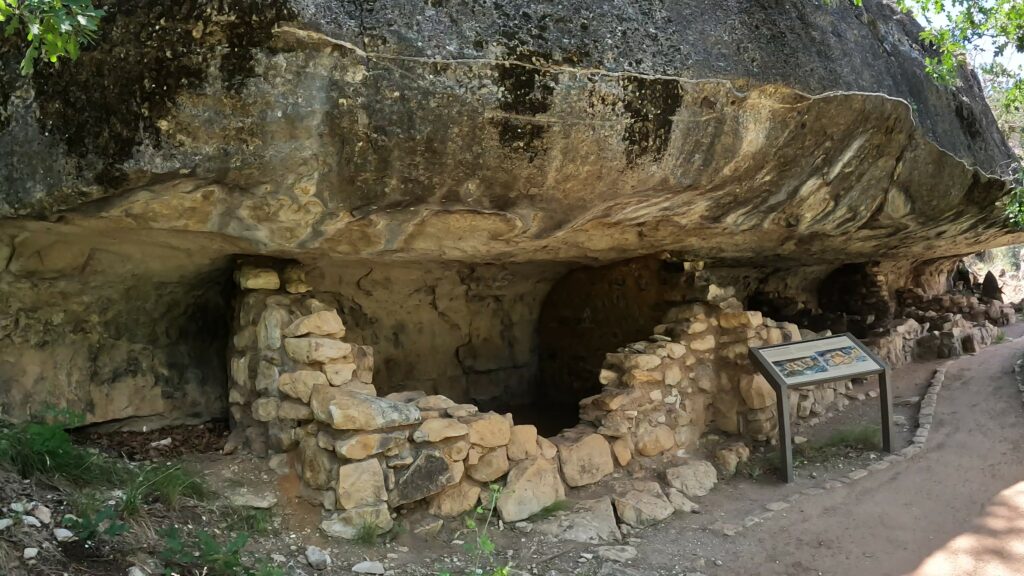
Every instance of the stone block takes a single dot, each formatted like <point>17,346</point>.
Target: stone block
<point>340,373</point>
<point>255,278</point>
<point>323,323</point>
<point>361,484</point>
<point>365,445</point>
<point>346,410</point>
<point>490,466</point>
<point>489,430</point>
<point>438,429</point>
<point>585,459</point>
<point>316,350</point>
<point>266,379</point>
<point>429,474</point>
<point>757,393</point>
<point>294,277</point>
<point>532,485</point>
<point>589,521</point>
<point>622,448</point>
<point>299,385</point>
<point>653,440</point>
<point>547,448</point>
<point>523,442</point>
<point>265,409</point>
<point>642,508</point>
<point>240,372</point>
<point>317,464</point>
<point>703,343</point>
<point>695,478</point>
<point>456,500</point>
<point>271,324</point>
<point>294,410</point>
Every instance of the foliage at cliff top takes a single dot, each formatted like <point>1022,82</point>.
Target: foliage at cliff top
<point>53,29</point>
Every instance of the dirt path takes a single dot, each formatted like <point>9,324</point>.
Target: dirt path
<point>955,510</point>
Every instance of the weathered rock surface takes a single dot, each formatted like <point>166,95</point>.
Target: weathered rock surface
<point>532,485</point>
<point>361,484</point>
<point>429,474</point>
<point>346,410</point>
<point>695,478</point>
<point>263,131</point>
<point>585,459</point>
<point>590,521</point>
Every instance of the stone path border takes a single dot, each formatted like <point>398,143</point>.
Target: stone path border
<point>1018,372</point>
<point>925,417</point>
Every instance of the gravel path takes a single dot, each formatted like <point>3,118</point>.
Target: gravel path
<point>955,510</point>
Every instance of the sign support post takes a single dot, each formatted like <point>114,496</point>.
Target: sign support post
<point>817,361</point>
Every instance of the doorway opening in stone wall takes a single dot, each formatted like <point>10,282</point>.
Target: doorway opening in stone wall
<point>590,312</point>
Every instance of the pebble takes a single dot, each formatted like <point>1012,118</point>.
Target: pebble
<point>30,553</point>
<point>798,440</point>
<point>776,506</point>
<point>857,474</point>
<point>278,558</point>
<point>317,558</point>
<point>524,527</point>
<point>368,567</point>
<point>31,521</point>
<point>136,571</point>
<point>42,513</point>
<point>6,523</point>
<point>63,534</point>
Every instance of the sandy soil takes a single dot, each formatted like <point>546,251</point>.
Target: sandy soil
<point>953,510</point>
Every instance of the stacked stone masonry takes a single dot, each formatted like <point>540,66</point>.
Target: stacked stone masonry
<point>942,326</point>
<point>299,389</point>
<point>692,375</point>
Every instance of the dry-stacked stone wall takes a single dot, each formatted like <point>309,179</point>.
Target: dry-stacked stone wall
<point>304,394</point>
<point>692,375</point>
<point>299,388</point>
<point>942,326</point>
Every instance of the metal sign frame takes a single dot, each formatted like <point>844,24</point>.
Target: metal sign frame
<point>781,387</point>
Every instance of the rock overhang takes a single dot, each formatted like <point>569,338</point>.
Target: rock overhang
<point>434,144</point>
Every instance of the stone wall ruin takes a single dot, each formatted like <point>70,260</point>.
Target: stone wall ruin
<point>300,386</point>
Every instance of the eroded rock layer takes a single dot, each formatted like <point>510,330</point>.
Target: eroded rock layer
<point>438,166</point>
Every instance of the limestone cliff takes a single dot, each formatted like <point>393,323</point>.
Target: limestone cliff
<point>530,136</point>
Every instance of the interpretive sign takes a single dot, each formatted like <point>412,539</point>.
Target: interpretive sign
<point>817,361</point>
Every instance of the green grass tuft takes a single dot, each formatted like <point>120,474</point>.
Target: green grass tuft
<point>249,520</point>
<point>45,449</point>
<point>366,535</point>
<point>864,438</point>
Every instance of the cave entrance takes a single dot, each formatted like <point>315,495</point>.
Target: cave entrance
<point>527,339</point>
<point>588,313</point>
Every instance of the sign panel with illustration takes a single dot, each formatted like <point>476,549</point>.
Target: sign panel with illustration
<point>817,361</point>
<point>821,360</point>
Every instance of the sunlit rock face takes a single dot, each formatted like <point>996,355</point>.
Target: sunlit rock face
<point>508,133</point>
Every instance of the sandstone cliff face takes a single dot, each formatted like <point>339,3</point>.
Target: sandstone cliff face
<point>344,134</point>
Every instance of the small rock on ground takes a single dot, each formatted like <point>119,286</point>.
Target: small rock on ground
<point>317,558</point>
<point>368,567</point>
<point>617,553</point>
<point>63,534</point>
